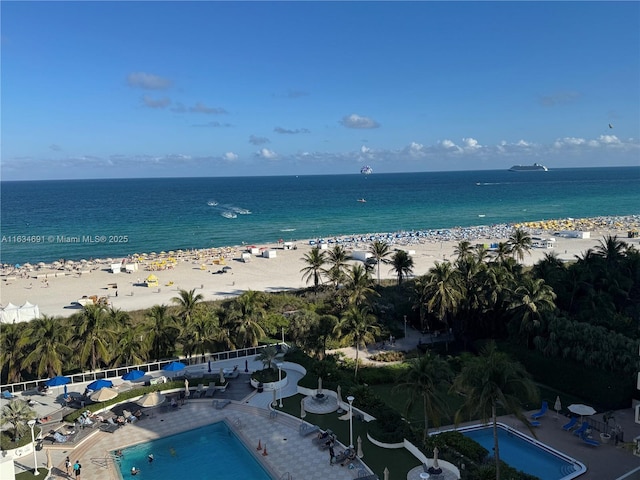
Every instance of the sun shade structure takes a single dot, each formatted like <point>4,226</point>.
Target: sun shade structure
<point>57,381</point>
<point>174,367</point>
<point>98,384</point>
<point>133,375</point>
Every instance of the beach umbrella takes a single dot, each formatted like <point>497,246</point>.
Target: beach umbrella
<point>360,452</point>
<point>152,399</point>
<point>174,367</point>
<point>103,395</point>
<point>557,406</point>
<point>386,473</point>
<point>246,366</point>
<point>57,381</point>
<point>435,458</point>
<point>98,384</point>
<point>303,413</point>
<point>186,388</point>
<point>221,375</point>
<point>66,393</point>
<point>319,385</point>
<point>133,375</point>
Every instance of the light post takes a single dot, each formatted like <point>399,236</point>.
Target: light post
<point>32,423</point>
<point>279,365</point>
<point>405,326</point>
<point>350,399</point>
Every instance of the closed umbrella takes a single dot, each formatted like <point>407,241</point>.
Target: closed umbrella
<point>557,406</point>
<point>319,385</point>
<point>133,375</point>
<point>221,375</point>
<point>152,399</point>
<point>303,413</point>
<point>209,366</point>
<point>360,453</point>
<point>49,461</point>
<point>103,395</point>
<point>98,384</point>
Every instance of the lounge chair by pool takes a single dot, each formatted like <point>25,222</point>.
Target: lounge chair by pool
<point>589,441</point>
<point>572,423</point>
<point>543,410</point>
<point>583,428</point>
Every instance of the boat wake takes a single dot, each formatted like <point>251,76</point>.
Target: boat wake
<point>212,203</point>
<point>287,229</point>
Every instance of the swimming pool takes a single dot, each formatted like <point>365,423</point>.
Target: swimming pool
<point>526,454</point>
<point>212,451</point>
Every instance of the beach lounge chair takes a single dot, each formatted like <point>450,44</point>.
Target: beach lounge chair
<point>211,390</point>
<point>108,427</point>
<point>533,423</point>
<point>583,428</point>
<point>199,391</point>
<point>589,441</point>
<point>572,423</point>
<point>543,410</point>
<point>220,404</point>
<point>307,429</point>
<point>60,438</point>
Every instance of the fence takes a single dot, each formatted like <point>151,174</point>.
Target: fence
<point>115,373</point>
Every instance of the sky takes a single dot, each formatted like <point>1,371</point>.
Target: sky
<point>169,89</point>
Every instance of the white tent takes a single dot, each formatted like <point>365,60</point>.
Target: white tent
<point>10,313</point>
<point>14,314</point>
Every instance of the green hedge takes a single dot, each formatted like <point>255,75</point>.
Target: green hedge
<point>604,390</point>
<point>7,442</point>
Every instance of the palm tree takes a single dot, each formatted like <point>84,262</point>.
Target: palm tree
<point>200,333</point>
<point>503,251</point>
<point>358,285</point>
<point>379,250</point>
<point>12,352</point>
<point>463,249</point>
<point>337,260</point>
<point>95,336</point>
<point>359,327</point>
<point>246,313</point>
<point>315,260</point>
<point>17,414</point>
<point>531,299</point>
<point>162,332</point>
<point>49,345</point>
<point>267,356</point>
<point>188,302</point>
<point>520,243</point>
<point>424,380</point>
<point>490,381</point>
<point>402,265</point>
<point>132,346</point>
<point>612,250</point>
<point>443,290</point>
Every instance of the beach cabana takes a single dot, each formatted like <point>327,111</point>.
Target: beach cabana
<point>151,281</point>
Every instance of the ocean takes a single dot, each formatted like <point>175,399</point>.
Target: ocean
<point>44,221</point>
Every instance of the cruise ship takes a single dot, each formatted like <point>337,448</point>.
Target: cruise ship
<point>536,167</point>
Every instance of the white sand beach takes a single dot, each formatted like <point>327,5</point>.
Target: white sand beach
<point>56,289</point>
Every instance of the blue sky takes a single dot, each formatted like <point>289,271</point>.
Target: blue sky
<point>149,89</point>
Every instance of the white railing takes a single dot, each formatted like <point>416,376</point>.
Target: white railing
<point>150,367</point>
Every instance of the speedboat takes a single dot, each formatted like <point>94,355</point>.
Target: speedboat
<point>229,215</point>
<point>362,200</point>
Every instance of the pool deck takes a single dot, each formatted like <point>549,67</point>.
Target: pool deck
<point>288,451</point>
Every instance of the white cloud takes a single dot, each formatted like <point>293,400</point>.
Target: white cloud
<point>357,121</point>
<point>148,81</point>
<point>608,139</point>
<point>471,144</point>
<point>156,103</point>
<point>230,156</point>
<point>364,149</point>
<point>267,154</point>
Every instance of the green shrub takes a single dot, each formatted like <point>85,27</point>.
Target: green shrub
<point>392,356</point>
<point>268,375</point>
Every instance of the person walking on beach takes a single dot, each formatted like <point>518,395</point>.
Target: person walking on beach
<point>67,466</point>
<point>332,453</point>
<point>77,468</point>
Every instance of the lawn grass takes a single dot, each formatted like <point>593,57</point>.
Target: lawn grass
<point>398,461</point>
<point>28,475</point>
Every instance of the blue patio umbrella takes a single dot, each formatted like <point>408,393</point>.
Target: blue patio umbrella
<point>133,375</point>
<point>57,381</point>
<point>66,393</point>
<point>174,367</point>
<point>98,384</point>
<point>209,366</point>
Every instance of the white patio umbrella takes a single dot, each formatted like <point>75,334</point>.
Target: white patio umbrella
<point>221,375</point>
<point>186,388</point>
<point>581,409</point>
<point>319,385</point>
<point>103,395</point>
<point>360,453</point>
<point>303,413</point>
<point>152,399</point>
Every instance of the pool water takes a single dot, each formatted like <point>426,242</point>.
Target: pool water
<point>212,451</point>
<point>533,458</point>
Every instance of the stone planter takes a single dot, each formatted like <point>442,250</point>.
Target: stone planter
<point>605,437</point>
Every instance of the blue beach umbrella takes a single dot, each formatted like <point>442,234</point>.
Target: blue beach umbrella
<point>57,381</point>
<point>66,393</point>
<point>133,375</point>
<point>98,384</point>
<point>174,367</point>
<point>209,366</point>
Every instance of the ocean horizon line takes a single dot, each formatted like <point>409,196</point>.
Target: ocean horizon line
<point>354,174</point>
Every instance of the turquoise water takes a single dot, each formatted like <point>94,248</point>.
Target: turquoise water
<point>75,219</point>
<point>525,456</point>
<point>212,451</point>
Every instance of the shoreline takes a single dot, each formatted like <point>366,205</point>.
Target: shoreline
<point>56,289</point>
